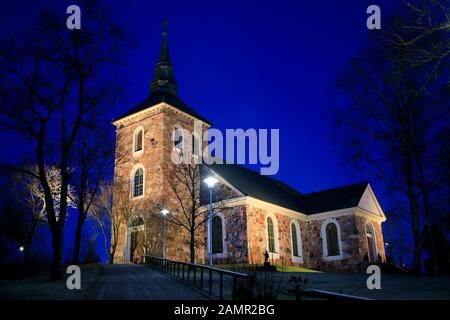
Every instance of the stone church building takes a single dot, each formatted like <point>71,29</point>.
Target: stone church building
<point>336,229</point>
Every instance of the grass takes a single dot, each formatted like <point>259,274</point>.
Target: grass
<point>295,269</point>
<point>240,267</point>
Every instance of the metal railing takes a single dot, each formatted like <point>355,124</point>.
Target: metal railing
<point>188,271</point>
<point>324,295</point>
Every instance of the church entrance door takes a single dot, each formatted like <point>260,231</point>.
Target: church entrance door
<point>137,240</point>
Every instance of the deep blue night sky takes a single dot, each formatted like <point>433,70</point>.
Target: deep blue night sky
<point>243,64</point>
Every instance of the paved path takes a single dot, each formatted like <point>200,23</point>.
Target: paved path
<point>137,282</point>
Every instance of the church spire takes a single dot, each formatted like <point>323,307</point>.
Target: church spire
<point>164,79</point>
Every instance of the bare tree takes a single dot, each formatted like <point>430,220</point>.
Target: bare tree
<point>122,211</point>
<point>92,159</point>
<point>30,193</point>
<point>421,45</point>
<point>53,81</point>
<point>397,99</point>
<point>101,212</point>
<point>184,183</point>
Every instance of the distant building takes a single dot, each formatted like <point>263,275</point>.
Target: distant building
<point>335,229</point>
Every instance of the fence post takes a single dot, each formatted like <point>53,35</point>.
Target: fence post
<point>210,281</point>
<point>221,285</point>
<point>251,285</point>
<point>201,278</point>
<point>195,274</point>
<point>183,270</point>
<point>234,287</point>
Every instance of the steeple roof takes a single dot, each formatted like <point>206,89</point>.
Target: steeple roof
<point>164,87</point>
<point>164,78</point>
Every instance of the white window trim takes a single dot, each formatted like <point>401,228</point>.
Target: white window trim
<point>374,241</point>
<point>224,252</point>
<point>139,152</point>
<point>133,171</point>
<point>325,240</point>
<point>298,259</point>
<point>273,255</point>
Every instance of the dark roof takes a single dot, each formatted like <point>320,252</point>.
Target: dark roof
<point>268,189</point>
<point>158,97</point>
<point>333,199</point>
<point>252,184</point>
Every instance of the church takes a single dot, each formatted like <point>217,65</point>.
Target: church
<point>338,229</point>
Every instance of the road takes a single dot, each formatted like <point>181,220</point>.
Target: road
<point>137,282</point>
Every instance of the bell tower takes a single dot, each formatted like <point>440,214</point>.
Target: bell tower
<point>144,143</point>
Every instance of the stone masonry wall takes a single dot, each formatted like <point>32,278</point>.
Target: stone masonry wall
<point>351,255</point>
<point>236,242</point>
<point>257,235</point>
<point>361,222</point>
<point>157,147</point>
<point>353,240</point>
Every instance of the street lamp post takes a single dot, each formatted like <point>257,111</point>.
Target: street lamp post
<point>164,212</point>
<point>210,181</point>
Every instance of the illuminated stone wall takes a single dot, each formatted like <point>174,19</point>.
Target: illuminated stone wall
<point>352,232</point>
<point>158,125</point>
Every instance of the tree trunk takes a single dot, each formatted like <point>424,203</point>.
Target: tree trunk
<point>28,242</point>
<point>112,253</point>
<point>415,227</point>
<point>26,259</point>
<point>417,254</point>
<point>78,235</point>
<point>414,208</point>
<point>192,245</point>
<point>426,208</point>
<point>57,247</point>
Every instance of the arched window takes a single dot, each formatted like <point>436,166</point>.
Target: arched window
<point>332,240</point>
<point>295,251</point>
<point>371,243</point>
<point>296,242</point>
<point>271,235</point>
<point>137,222</point>
<point>138,183</point>
<point>177,138</point>
<point>217,235</point>
<point>195,145</point>
<point>332,247</point>
<point>138,139</point>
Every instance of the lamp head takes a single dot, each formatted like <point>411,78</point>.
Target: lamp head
<point>210,181</point>
<point>164,212</point>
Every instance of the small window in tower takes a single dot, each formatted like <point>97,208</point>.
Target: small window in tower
<point>138,139</point>
<point>178,138</point>
<point>195,145</point>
